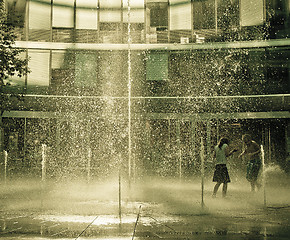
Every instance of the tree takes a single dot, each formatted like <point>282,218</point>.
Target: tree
<point>11,64</point>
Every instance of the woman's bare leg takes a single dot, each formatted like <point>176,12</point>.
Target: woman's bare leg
<point>215,189</point>
<point>225,188</point>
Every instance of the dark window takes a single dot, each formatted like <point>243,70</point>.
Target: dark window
<point>158,15</point>
<point>16,12</point>
<point>204,14</point>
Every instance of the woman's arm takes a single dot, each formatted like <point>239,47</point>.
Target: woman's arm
<point>228,152</point>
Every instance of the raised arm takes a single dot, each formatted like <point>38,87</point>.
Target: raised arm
<point>228,152</point>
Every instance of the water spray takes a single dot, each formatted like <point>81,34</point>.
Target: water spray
<point>120,199</point>
<point>43,171</point>
<point>202,170</point>
<point>89,165</point>
<point>263,175</point>
<point>43,162</point>
<point>129,95</point>
<point>5,166</point>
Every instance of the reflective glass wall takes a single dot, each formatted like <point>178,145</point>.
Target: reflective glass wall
<point>96,25</point>
<point>194,67</point>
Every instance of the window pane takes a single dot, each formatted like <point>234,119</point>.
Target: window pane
<point>86,70</point>
<point>39,67</point>
<point>157,66</point>
<point>110,4</point>
<point>134,4</point>
<point>180,14</point>
<point>136,15</point>
<point>15,82</point>
<point>39,15</point>
<point>16,12</point>
<point>86,14</point>
<point>251,12</point>
<point>57,59</point>
<point>204,14</point>
<point>158,14</point>
<point>63,13</point>
<point>110,16</point>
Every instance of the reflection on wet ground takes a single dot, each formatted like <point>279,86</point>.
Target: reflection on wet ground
<point>155,211</point>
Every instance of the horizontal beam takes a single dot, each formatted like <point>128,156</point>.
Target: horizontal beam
<point>211,116</point>
<point>183,116</point>
<point>161,47</point>
<point>276,96</point>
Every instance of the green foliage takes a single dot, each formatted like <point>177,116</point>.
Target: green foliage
<point>10,62</point>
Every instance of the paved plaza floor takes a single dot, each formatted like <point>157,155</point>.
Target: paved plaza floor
<point>153,209</point>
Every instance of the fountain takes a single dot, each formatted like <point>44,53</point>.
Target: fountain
<point>202,170</point>
<point>263,175</point>
<point>5,166</point>
<point>43,162</point>
<point>98,191</point>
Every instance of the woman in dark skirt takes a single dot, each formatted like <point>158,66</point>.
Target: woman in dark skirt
<point>221,175</point>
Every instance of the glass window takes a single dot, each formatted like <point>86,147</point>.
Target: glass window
<point>39,67</point>
<point>136,11</point>
<point>86,70</point>
<point>157,66</point>
<point>110,4</point>
<point>110,10</point>
<point>39,15</point>
<point>58,59</point>
<point>16,12</point>
<point>15,82</point>
<point>180,14</point>
<point>158,14</point>
<point>62,73</point>
<point>63,13</point>
<point>252,12</point>
<point>204,14</point>
<point>86,14</point>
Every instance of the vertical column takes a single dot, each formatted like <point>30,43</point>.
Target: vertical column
<point>217,130</point>
<point>145,21</point>
<point>2,152</point>
<point>179,148</point>
<point>208,140</point>
<point>26,28</point>
<point>202,170</point>
<point>51,18</point>
<point>193,138</point>
<point>57,137</point>
<point>288,143</point>
<point>168,21</point>
<point>74,22</point>
<point>98,20</point>
<point>192,21</point>
<point>122,21</point>
<point>24,141</point>
<point>1,134</point>
<point>50,39</point>
<point>26,36</point>
<point>147,148</point>
<point>269,144</point>
<point>216,15</point>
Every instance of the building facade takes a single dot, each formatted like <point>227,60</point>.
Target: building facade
<point>145,86</point>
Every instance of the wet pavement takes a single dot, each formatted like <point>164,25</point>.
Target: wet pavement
<point>163,210</point>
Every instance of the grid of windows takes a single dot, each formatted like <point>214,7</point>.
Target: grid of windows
<point>149,21</point>
<point>158,21</point>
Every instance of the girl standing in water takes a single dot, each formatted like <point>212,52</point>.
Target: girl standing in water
<point>221,175</point>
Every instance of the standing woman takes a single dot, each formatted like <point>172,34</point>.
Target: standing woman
<point>221,175</point>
